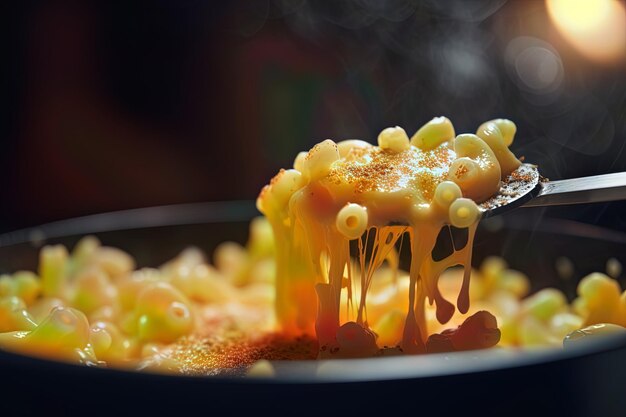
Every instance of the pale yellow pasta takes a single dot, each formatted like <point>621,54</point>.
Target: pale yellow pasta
<point>157,297</point>
<point>601,297</point>
<point>100,340</point>
<point>387,293</point>
<point>564,267</point>
<point>128,309</point>
<point>64,334</point>
<point>230,258</point>
<point>262,271</point>
<point>446,192</point>
<point>202,283</point>
<point>105,313</point>
<point>84,251</point>
<point>64,326</point>
<point>388,327</point>
<point>261,239</point>
<point>532,332</point>
<point>256,292</point>
<point>613,267</point>
<point>562,324</point>
<point>129,288</point>
<point>544,304</point>
<point>286,184</point>
<point>261,369</point>
<point>433,134</point>
<point>352,221</point>
<point>53,264</point>
<point>344,147</point>
<point>298,163</point>
<point>151,349</point>
<point>506,127</point>
<point>160,364</point>
<point>43,306</point>
<point>23,284</point>
<point>27,286</point>
<point>14,316</point>
<point>579,307</point>
<point>394,139</point>
<point>319,159</point>
<point>162,313</point>
<point>514,282</point>
<point>476,170</point>
<point>120,349</point>
<point>492,136</point>
<point>6,285</point>
<point>188,258</point>
<point>463,212</point>
<point>491,269</point>
<point>115,262</point>
<point>182,278</point>
<point>93,290</point>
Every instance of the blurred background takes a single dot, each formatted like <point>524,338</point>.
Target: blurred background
<point>117,105</point>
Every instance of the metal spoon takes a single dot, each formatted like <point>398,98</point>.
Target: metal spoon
<point>525,187</point>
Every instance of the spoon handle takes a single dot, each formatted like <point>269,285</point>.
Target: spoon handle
<point>595,189</point>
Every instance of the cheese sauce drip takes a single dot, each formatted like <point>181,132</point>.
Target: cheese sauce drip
<point>377,195</point>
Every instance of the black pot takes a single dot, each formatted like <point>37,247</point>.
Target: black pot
<point>589,381</point>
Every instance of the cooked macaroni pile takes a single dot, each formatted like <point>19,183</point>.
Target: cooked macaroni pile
<point>319,276</point>
<point>91,306</point>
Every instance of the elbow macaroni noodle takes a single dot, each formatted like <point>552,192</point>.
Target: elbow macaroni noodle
<point>298,274</point>
<point>352,221</point>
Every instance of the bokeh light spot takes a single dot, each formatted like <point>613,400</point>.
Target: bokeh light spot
<point>596,28</point>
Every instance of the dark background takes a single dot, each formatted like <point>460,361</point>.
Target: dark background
<point>116,105</point>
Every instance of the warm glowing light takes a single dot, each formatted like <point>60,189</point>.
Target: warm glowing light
<point>596,28</point>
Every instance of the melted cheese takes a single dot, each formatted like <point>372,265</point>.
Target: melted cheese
<point>375,195</point>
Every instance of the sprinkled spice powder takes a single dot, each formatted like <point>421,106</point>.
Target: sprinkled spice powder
<point>233,352</point>
<point>379,170</point>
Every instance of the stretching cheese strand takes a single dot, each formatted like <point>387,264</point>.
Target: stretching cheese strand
<point>340,192</point>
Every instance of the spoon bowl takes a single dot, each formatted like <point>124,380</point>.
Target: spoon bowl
<point>521,186</point>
